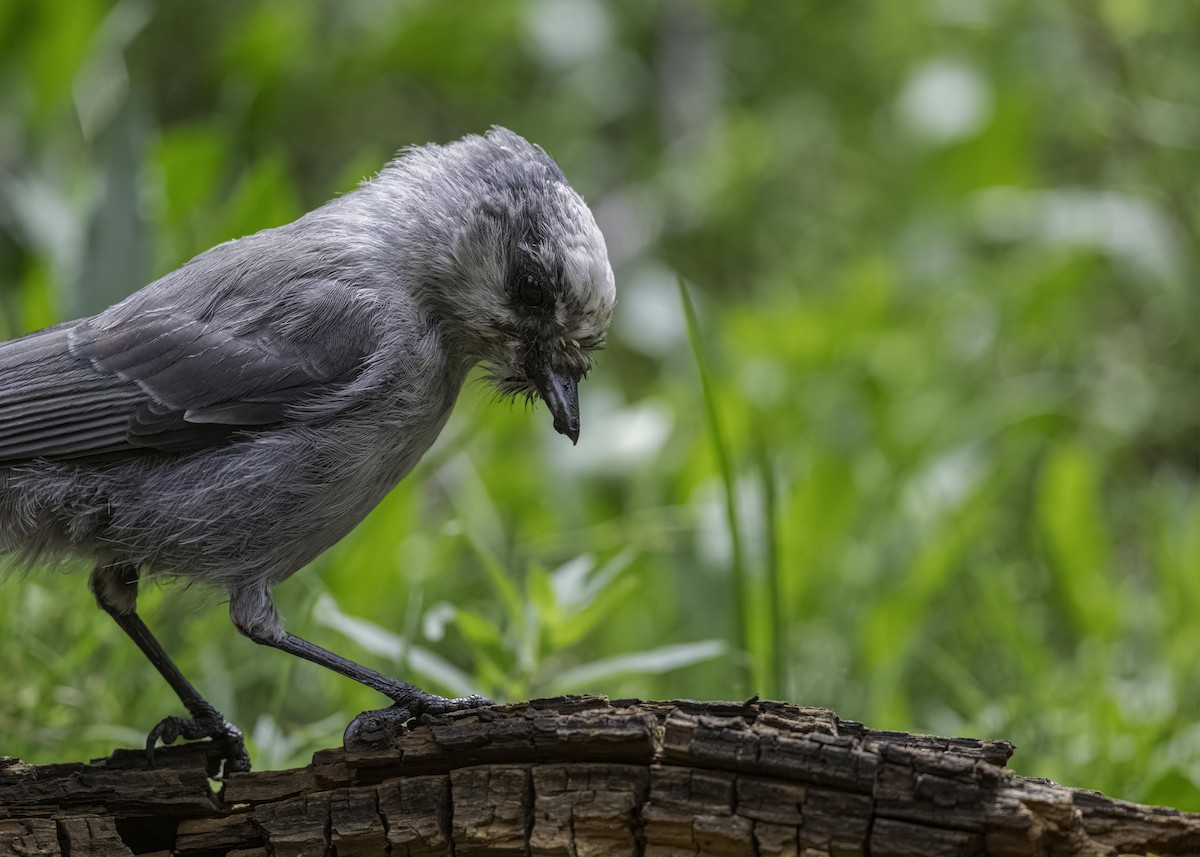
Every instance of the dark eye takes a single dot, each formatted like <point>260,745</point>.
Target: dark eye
<point>529,289</point>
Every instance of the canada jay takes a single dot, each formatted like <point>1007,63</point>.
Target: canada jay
<point>232,420</point>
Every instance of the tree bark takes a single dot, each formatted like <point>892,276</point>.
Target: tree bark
<point>584,776</point>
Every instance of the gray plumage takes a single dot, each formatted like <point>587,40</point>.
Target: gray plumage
<point>235,418</point>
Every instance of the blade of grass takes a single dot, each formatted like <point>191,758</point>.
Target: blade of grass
<point>725,465</point>
<point>380,641</point>
<point>774,611</point>
<point>661,660</point>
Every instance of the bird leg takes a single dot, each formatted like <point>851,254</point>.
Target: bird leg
<point>254,614</point>
<point>115,588</point>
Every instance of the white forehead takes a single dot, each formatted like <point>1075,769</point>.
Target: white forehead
<point>584,256</point>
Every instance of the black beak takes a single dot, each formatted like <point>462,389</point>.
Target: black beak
<point>560,391</point>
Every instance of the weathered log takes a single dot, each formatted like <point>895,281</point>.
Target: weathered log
<point>586,776</point>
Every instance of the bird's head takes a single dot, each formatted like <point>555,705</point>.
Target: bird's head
<point>522,272</point>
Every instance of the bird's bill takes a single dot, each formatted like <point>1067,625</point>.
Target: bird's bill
<point>560,391</point>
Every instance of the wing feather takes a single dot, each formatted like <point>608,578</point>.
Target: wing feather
<point>127,382</point>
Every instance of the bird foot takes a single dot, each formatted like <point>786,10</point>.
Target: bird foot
<point>379,728</point>
<point>208,725</point>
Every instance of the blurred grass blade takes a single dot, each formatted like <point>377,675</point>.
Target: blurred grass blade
<point>773,614</point>
<point>432,666</point>
<point>374,638</point>
<point>661,660</point>
<point>484,531</point>
<point>577,582</point>
<point>725,464</point>
<point>498,577</point>
<point>382,642</point>
<point>1071,517</point>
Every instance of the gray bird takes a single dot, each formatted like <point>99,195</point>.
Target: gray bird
<point>230,421</point>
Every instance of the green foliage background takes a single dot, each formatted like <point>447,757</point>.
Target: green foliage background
<point>926,451</point>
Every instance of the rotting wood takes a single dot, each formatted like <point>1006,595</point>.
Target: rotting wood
<point>585,776</point>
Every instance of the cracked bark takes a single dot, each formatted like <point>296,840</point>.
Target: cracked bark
<point>583,776</point>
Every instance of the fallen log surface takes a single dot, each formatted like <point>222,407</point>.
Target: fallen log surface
<point>587,776</point>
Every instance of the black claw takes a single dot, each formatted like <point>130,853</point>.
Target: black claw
<point>433,705</point>
<point>379,728</point>
<point>212,726</point>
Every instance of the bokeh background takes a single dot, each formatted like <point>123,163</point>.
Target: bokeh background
<point>926,451</point>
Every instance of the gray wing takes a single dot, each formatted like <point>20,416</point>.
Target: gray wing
<point>144,376</point>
